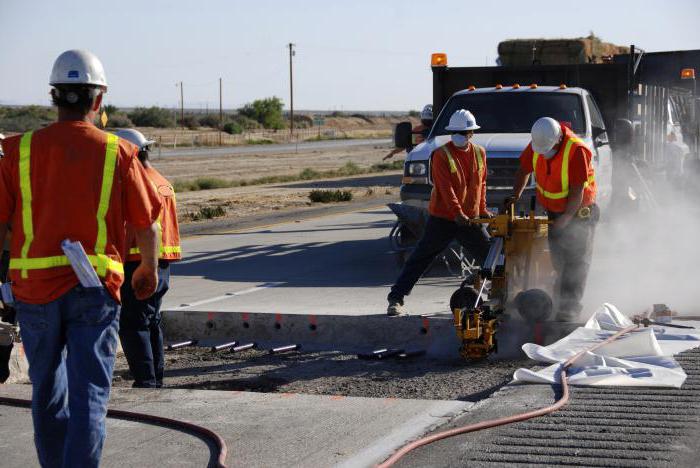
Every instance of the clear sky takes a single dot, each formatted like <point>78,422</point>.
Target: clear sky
<point>351,55</point>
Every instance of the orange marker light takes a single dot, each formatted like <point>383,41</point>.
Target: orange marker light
<point>562,86</point>
<point>499,86</point>
<point>516,86</point>
<point>471,88</point>
<point>688,74</point>
<point>438,60</point>
<point>533,86</point>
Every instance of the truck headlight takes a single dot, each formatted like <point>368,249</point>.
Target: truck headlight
<point>417,169</point>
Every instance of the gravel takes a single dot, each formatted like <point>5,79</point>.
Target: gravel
<point>331,373</point>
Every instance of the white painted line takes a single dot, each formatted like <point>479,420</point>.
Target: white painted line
<point>228,296</point>
<point>435,415</point>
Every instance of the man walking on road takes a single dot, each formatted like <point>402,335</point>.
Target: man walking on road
<point>566,188</point>
<point>459,195</point>
<point>139,327</point>
<point>73,181</point>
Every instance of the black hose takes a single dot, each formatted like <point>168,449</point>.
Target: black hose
<point>205,433</point>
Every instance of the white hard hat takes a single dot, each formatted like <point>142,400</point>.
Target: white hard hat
<point>546,133</point>
<point>134,136</point>
<point>2,137</point>
<point>462,121</point>
<point>78,67</point>
<point>427,112</point>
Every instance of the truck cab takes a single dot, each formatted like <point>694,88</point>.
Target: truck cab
<point>506,115</point>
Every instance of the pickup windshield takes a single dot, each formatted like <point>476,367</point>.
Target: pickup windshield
<point>504,112</point>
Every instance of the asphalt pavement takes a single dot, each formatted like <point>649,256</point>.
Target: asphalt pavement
<point>341,264</point>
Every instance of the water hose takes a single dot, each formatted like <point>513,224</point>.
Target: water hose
<point>151,419</point>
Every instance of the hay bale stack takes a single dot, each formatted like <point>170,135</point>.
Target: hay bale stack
<point>591,49</point>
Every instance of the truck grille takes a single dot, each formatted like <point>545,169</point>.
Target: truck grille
<point>501,172</point>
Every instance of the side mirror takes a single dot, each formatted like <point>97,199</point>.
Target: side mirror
<point>624,130</point>
<point>403,137</point>
<point>597,131</point>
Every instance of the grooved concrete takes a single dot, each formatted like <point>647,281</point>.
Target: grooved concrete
<point>615,426</point>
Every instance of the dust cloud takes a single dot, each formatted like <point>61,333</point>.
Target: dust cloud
<point>646,252</point>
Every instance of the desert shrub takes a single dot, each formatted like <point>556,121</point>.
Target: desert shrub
<point>232,128</point>
<point>303,121</point>
<point>267,112</point>
<point>152,117</point>
<point>209,120</point>
<point>25,118</point>
<point>190,121</point>
<point>330,196</point>
<point>119,120</point>
<point>207,212</point>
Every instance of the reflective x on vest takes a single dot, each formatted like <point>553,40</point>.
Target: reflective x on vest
<point>564,172</point>
<point>99,260</point>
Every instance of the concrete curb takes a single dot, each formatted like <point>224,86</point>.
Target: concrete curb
<point>348,333</point>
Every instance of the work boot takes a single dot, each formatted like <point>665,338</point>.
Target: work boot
<point>395,309</point>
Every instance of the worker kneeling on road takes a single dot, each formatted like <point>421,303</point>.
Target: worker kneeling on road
<point>140,324</point>
<point>566,188</point>
<point>73,181</point>
<point>459,195</point>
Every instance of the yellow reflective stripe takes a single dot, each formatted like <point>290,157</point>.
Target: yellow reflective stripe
<point>479,159</point>
<point>25,184</point>
<point>105,195</point>
<point>453,166</point>
<point>168,249</point>
<point>564,172</point>
<point>40,263</point>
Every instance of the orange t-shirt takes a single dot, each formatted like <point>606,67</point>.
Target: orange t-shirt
<point>463,191</point>
<point>66,165</point>
<point>579,171</point>
<point>170,232</point>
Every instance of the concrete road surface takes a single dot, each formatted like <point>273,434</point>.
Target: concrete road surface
<point>274,148</point>
<point>260,430</point>
<point>340,264</point>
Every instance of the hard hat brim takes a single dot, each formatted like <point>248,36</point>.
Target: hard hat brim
<point>449,128</point>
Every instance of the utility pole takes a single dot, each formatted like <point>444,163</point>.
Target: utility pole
<point>291,91</point>
<point>221,112</point>
<point>182,106</point>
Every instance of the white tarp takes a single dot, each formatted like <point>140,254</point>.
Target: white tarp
<point>642,358</point>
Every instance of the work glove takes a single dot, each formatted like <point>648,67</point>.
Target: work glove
<point>509,201</point>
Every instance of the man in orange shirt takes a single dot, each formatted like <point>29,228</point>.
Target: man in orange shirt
<point>566,188</point>
<point>458,196</point>
<point>73,181</point>
<point>139,327</point>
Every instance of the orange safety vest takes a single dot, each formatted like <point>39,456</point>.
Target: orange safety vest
<point>553,184</point>
<point>479,159</point>
<point>104,264</point>
<point>170,249</point>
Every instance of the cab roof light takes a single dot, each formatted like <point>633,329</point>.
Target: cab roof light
<point>516,86</point>
<point>562,86</point>
<point>688,74</point>
<point>533,86</point>
<point>438,60</point>
<point>471,87</point>
<point>499,86</point>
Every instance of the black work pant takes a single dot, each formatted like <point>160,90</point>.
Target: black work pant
<point>140,330</point>
<point>570,250</point>
<point>438,234</point>
<point>7,314</point>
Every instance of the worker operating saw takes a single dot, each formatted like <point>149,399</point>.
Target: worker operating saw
<point>519,257</point>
